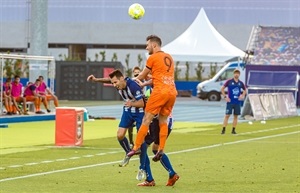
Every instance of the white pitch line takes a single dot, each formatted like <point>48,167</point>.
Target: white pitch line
<point>176,152</point>
<point>46,161</point>
<point>59,160</point>
<point>273,129</point>
<point>15,166</point>
<point>88,156</point>
<point>31,164</point>
<point>75,157</point>
<point>100,154</point>
<point>113,152</point>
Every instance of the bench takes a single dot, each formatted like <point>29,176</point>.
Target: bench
<point>31,108</point>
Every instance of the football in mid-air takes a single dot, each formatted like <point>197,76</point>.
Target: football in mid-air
<point>136,11</point>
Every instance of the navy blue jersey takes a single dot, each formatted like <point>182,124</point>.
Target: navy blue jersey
<point>132,92</point>
<point>234,90</point>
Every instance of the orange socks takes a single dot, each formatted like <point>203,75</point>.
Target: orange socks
<point>37,104</point>
<point>14,109</point>
<point>55,103</point>
<point>8,109</point>
<point>140,136</point>
<point>163,134</point>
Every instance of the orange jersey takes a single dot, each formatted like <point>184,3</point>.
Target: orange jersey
<point>162,68</point>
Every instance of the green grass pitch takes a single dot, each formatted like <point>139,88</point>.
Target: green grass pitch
<point>261,158</point>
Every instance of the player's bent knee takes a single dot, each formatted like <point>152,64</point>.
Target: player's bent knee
<point>120,137</point>
<point>121,133</point>
<point>147,120</point>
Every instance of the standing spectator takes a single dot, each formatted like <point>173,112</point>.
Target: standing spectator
<point>236,93</point>
<point>136,71</point>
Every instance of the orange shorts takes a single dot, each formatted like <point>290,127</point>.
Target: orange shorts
<point>160,103</point>
<point>30,98</point>
<point>18,99</point>
<point>48,96</point>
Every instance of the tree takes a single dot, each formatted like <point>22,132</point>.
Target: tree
<point>114,58</point>
<point>96,57</point>
<point>17,66</point>
<point>8,68</point>
<point>177,71</point>
<point>199,70</point>
<point>187,72</point>
<point>26,68</point>
<point>60,57</point>
<point>128,71</point>
<point>140,59</point>
<point>13,67</point>
<point>103,56</point>
<point>213,70</point>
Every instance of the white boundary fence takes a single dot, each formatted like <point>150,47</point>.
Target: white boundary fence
<point>269,106</point>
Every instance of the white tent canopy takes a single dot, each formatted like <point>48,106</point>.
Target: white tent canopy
<point>201,42</point>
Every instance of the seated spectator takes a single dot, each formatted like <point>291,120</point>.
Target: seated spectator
<point>16,96</point>
<point>45,91</point>
<point>6,96</point>
<point>31,94</point>
<point>277,46</point>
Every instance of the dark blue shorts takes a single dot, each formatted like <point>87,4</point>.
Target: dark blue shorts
<point>235,107</point>
<point>128,118</point>
<point>153,134</point>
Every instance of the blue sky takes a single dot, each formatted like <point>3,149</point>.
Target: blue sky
<point>253,12</point>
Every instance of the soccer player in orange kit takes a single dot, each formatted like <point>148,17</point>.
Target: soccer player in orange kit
<point>163,96</point>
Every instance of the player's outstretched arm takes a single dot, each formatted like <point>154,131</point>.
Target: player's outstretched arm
<point>92,78</point>
<point>143,84</point>
<point>148,82</point>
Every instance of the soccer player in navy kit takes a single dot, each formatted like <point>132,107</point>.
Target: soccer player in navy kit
<point>236,93</point>
<point>133,111</point>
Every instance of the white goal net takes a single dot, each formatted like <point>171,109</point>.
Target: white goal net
<point>28,68</point>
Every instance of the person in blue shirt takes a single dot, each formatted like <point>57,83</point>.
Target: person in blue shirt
<point>133,111</point>
<point>235,95</point>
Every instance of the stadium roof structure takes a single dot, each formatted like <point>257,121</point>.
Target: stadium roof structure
<point>201,42</point>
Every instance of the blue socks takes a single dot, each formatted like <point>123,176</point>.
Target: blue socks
<point>165,162</point>
<point>149,176</point>
<point>145,162</point>
<point>125,144</point>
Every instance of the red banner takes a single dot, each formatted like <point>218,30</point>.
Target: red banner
<point>106,72</point>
